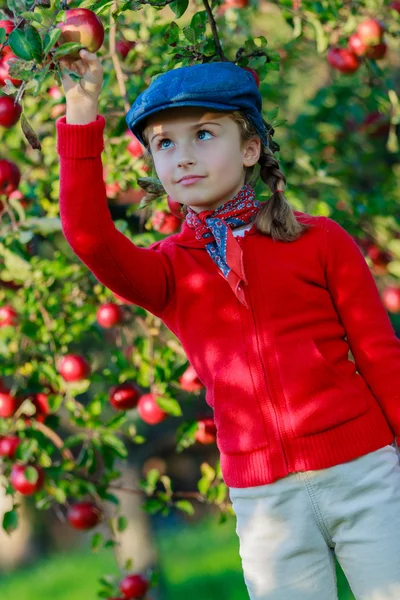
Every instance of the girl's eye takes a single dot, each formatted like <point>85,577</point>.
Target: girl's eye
<point>160,142</point>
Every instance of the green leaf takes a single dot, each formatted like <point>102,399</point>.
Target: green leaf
<point>67,48</point>
<point>169,405</point>
<point>171,37</point>
<point>26,44</point>
<point>31,474</point>
<point>31,16</point>
<point>207,471</point>
<point>97,542</point>
<point>189,34</point>
<point>179,7</point>
<point>20,268</point>
<point>50,39</point>
<point>152,505</point>
<point>185,506</point>
<point>3,35</point>
<point>10,521</point>
<point>203,485</point>
<point>122,524</point>
<point>112,441</point>
<point>27,449</point>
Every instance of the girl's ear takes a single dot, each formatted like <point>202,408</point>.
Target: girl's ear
<point>252,151</point>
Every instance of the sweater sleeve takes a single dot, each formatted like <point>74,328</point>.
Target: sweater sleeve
<point>370,334</point>
<point>143,276</point>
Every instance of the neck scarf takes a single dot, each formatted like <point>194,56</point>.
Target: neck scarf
<point>216,226</point>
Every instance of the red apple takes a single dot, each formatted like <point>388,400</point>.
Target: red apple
<point>149,411</point>
<point>9,445</point>
<point>189,381</point>
<point>206,432</point>
<point>8,404</point>
<point>342,59</point>
<point>7,25</point>
<point>83,515</point>
<point>236,3</point>
<point>135,148</point>
<point>254,73</point>
<point>123,47</point>
<point>57,110</point>
<point>377,52</point>
<point>5,55</point>
<point>10,176</point>
<point>8,315</point>
<point>134,586</point>
<point>109,314</point>
<point>370,31</point>
<point>165,222</point>
<point>9,112</point>
<point>356,45</point>
<point>124,396</point>
<point>21,484</point>
<point>175,208</point>
<point>391,298</point>
<point>84,26</point>
<point>73,367</point>
<point>112,189</point>
<point>55,93</point>
<point>41,403</point>
<point>395,5</point>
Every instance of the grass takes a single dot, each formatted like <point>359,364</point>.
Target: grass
<point>198,561</point>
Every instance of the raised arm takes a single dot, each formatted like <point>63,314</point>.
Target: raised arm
<point>142,275</point>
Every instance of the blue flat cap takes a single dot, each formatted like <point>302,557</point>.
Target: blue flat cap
<point>215,85</point>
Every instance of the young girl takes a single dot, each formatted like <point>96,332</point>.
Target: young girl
<point>267,302</point>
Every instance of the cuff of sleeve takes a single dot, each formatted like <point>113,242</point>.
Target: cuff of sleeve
<point>80,141</point>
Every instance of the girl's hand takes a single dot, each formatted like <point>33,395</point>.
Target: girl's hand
<point>83,93</point>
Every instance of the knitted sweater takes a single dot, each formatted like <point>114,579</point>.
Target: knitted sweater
<point>285,394</point>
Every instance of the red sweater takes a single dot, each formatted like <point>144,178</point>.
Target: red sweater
<point>285,395</point>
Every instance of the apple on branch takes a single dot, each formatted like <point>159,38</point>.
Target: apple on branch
<point>83,26</point>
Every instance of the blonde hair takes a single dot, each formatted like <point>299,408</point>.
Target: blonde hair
<point>275,217</point>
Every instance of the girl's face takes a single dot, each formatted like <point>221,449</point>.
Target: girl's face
<point>194,141</point>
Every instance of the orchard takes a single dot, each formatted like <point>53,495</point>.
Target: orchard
<point>87,379</point>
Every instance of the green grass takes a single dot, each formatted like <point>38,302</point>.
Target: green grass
<point>198,561</point>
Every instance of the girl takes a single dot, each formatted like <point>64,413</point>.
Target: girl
<point>267,303</point>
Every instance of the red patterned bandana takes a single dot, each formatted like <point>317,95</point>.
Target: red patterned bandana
<point>215,228</point>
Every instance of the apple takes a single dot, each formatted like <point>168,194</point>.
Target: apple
<point>135,148</point>
<point>73,367</point>
<point>134,586</point>
<point>356,45</point>
<point>124,396</point>
<point>206,432</point>
<point>123,47</point>
<point>112,189</point>
<point>175,208</point>
<point>391,298</point>
<point>7,25</point>
<point>189,381</point>
<point>55,93</point>
<point>343,60</point>
<point>9,445</point>
<point>21,483</point>
<point>8,404</point>
<point>255,75</point>
<point>41,403</point>
<point>149,411</point>
<point>236,3</point>
<point>5,56</point>
<point>165,222</point>
<point>9,112</point>
<point>109,314</point>
<point>395,5</point>
<point>84,26</point>
<point>57,110</point>
<point>8,315</point>
<point>10,176</point>
<point>370,31</point>
<point>83,515</point>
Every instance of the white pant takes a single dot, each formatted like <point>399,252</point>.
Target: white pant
<point>290,530</point>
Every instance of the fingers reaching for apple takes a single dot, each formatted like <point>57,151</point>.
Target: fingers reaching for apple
<point>88,87</point>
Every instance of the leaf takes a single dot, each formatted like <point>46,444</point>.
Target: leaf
<point>97,542</point>
<point>43,225</point>
<point>189,34</point>
<point>122,524</point>
<point>50,39</point>
<point>26,44</point>
<point>10,521</point>
<point>31,16</point>
<point>19,267</point>
<point>3,35</point>
<point>67,48</point>
<point>171,37</point>
<point>31,474</point>
<point>179,7</point>
<point>207,471</point>
<point>185,506</point>
<point>203,485</point>
<point>21,69</point>
<point>112,441</point>
<point>169,405</point>
<point>152,505</point>
<point>30,134</point>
